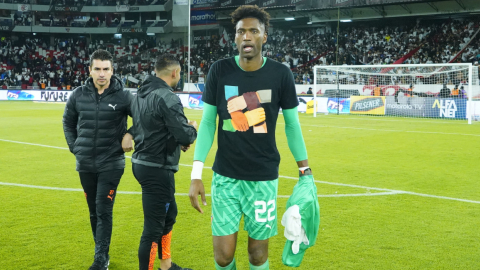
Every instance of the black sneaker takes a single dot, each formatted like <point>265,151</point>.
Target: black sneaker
<point>98,265</point>
<point>176,267</point>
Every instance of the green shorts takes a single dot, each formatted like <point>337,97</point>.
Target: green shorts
<point>256,200</point>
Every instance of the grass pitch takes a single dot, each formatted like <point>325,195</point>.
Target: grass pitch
<point>394,193</point>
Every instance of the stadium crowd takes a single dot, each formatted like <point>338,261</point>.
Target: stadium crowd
<point>66,65</point>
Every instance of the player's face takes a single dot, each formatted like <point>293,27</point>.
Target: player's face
<point>250,36</point>
<point>101,72</point>
<point>176,79</point>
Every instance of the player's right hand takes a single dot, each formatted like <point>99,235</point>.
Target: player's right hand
<point>193,123</point>
<point>197,188</point>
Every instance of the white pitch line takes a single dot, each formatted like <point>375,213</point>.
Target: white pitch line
<point>404,119</point>
<point>186,194</point>
<point>391,130</point>
<point>387,191</point>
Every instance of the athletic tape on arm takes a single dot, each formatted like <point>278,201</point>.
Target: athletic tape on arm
<point>294,134</point>
<point>206,132</point>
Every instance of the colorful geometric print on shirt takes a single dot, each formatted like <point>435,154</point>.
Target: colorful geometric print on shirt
<point>246,110</point>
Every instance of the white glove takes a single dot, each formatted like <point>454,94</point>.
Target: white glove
<point>292,221</point>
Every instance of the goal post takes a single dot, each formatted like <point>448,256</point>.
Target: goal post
<point>443,91</point>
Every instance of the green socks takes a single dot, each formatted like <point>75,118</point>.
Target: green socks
<point>264,266</point>
<point>231,266</point>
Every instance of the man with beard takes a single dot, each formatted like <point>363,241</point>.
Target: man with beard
<point>161,131</point>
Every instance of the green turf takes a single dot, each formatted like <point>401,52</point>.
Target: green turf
<point>350,155</point>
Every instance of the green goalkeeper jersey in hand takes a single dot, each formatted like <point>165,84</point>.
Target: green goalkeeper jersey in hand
<point>305,197</point>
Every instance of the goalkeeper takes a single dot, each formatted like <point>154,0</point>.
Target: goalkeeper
<point>246,92</point>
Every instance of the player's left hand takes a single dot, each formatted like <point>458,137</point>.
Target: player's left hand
<point>185,148</point>
<point>197,188</point>
<point>127,142</point>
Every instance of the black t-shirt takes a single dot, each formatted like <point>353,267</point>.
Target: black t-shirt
<point>250,155</point>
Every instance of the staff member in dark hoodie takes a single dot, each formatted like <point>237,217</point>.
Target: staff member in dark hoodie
<point>94,123</point>
<point>161,130</point>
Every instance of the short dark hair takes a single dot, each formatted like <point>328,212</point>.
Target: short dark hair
<point>165,61</point>
<point>101,55</point>
<point>251,12</point>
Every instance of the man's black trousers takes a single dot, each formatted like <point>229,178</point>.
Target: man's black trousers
<point>159,210</point>
<point>100,190</point>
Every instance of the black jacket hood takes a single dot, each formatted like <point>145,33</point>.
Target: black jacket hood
<point>150,84</point>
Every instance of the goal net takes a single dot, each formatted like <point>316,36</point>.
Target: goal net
<point>444,91</point>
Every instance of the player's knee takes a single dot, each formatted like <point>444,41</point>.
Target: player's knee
<point>223,259</point>
<point>257,254</point>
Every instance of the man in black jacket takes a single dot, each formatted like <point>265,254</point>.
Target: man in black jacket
<point>94,123</point>
<point>161,130</point>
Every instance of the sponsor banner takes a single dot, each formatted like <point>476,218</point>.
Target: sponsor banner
<point>426,107</point>
<point>252,2</point>
<point>6,27</point>
<point>367,105</point>
<point>406,106</point>
<point>305,102</point>
<point>338,105</point>
<point>268,3</point>
<point>204,3</point>
<point>24,7</point>
<point>134,30</point>
<point>201,39</point>
<point>66,8</point>
<point>183,99</point>
<point>342,3</point>
<point>20,95</point>
<point>37,95</point>
<point>181,2</point>
<point>448,107</point>
<point>195,101</point>
<point>199,17</point>
<point>122,8</point>
<point>310,107</point>
<point>56,96</point>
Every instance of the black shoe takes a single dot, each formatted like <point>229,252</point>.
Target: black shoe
<point>98,265</point>
<point>176,267</point>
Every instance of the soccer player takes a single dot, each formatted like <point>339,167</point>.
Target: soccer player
<point>94,123</point>
<point>160,130</point>
<point>246,92</point>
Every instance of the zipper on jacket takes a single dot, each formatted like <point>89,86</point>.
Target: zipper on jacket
<point>95,138</point>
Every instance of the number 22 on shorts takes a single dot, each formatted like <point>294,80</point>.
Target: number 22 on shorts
<point>263,209</point>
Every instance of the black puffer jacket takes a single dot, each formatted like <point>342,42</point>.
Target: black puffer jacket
<point>94,126</point>
<point>160,125</point>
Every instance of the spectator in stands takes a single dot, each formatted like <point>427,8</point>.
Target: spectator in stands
<point>444,92</point>
<point>377,91</point>
<point>455,91</point>
<point>309,92</point>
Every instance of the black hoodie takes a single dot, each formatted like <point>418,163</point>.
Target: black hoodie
<point>94,125</point>
<point>159,124</point>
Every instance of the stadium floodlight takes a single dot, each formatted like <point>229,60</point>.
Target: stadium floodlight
<point>290,19</point>
<point>442,91</point>
<point>345,20</point>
